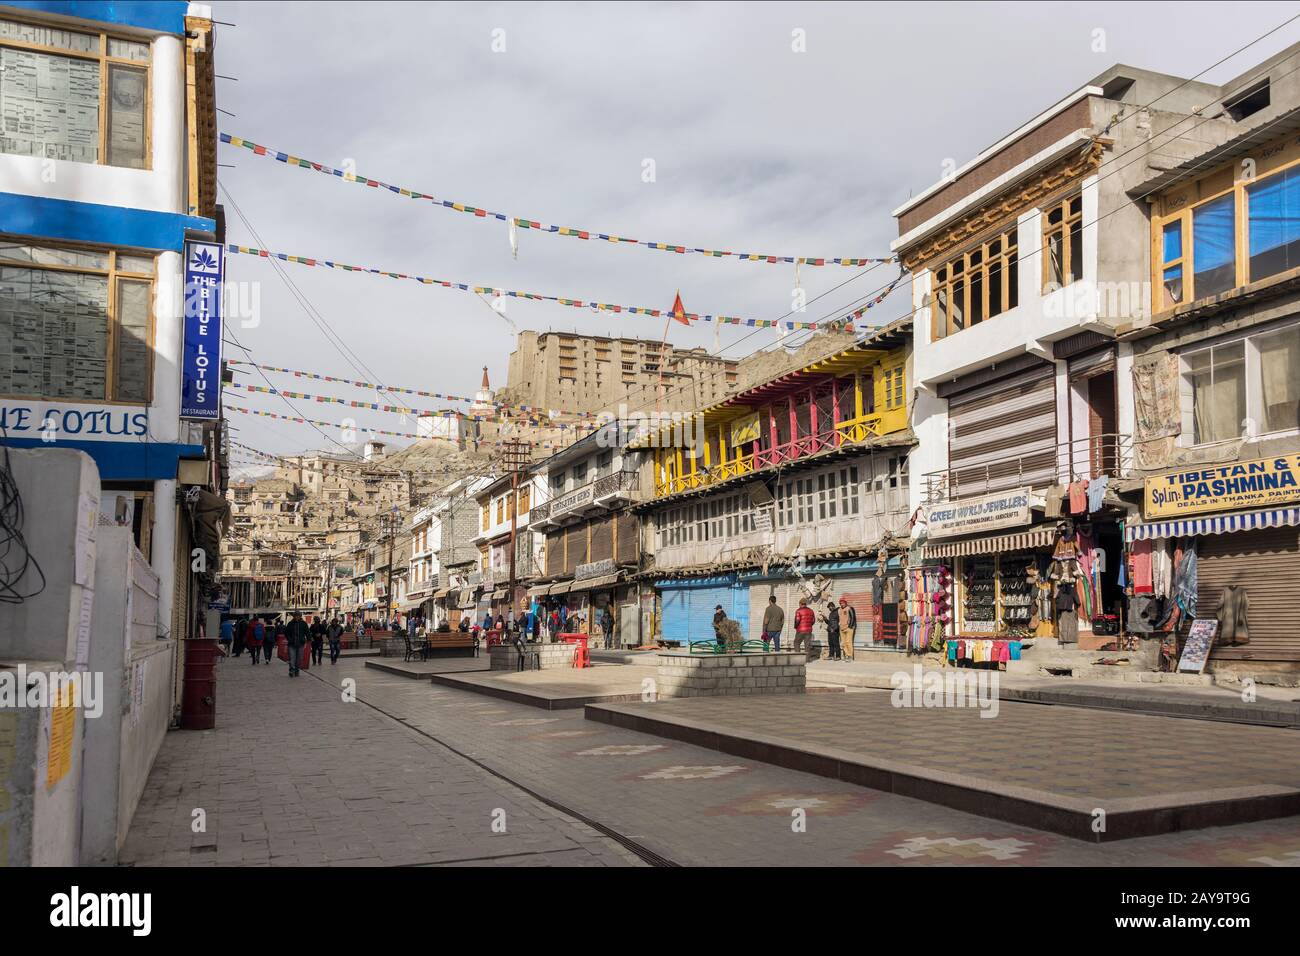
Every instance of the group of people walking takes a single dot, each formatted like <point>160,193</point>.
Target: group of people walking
<point>841,622</point>
<point>261,637</point>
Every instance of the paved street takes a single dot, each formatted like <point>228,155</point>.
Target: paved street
<point>380,793</point>
<point>294,776</point>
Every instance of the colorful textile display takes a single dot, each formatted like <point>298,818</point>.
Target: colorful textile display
<point>983,650</point>
<point>929,609</point>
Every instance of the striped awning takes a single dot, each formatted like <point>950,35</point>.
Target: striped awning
<point>994,544</point>
<point>1213,524</point>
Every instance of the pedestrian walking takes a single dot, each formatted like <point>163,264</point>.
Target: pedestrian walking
<point>277,630</point>
<point>258,632</point>
<point>227,636</point>
<point>832,620</point>
<point>254,644</point>
<point>334,634</point>
<point>773,621</point>
<point>804,619</point>
<point>607,625</point>
<point>241,637</point>
<point>317,640</point>
<point>297,636</point>
<point>848,627</point>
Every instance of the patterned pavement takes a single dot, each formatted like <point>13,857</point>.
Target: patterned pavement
<point>699,807</point>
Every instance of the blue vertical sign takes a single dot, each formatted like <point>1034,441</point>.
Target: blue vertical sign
<point>201,359</point>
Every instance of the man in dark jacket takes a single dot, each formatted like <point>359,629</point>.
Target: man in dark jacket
<point>317,641</point>
<point>832,619</point>
<point>334,634</point>
<point>297,636</point>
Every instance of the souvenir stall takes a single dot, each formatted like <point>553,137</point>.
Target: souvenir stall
<point>1000,595</point>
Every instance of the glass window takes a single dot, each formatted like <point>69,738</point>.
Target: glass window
<point>64,101</point>
<point>1273,217</point>
<point>1063,243</point>
<point>1279,372</point>
<point>1217,377</point>
<point>1214,246</point>
<point>132,353</point>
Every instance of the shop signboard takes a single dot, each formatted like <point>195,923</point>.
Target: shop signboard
<point>1005,509</point>
<point>595,569</point>
<point>1258,483</point>
<point>744,430</point>
<point>201,354</point>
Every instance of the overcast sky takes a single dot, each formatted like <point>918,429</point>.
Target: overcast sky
<point>756,148</point>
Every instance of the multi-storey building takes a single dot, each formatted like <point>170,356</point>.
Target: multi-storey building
<point>107,178</point>
<point>498,501</point>
<point>1216,366</point>
<point>791,488</point>
<point>1095,295</point>
<point>581,373</point>
<point>592,538</point>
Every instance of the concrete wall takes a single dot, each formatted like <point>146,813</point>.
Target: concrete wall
<point>53,483</point>
<point>38,823</point>
<point>122,743</point>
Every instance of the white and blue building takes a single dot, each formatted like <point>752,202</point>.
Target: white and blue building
<point>107,179</point>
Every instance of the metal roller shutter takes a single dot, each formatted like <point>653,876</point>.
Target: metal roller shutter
<point>702,603</point>
<point>1267,564</point>
<point>857,588</point>
<point>1003,435</point>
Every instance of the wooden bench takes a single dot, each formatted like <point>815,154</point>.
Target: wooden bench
<point>454,643</point>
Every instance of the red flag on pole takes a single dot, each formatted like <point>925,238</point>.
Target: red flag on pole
<point>679,311</point>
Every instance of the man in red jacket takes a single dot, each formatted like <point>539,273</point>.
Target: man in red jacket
<point>804,618</point>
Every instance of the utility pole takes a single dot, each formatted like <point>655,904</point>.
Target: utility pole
<point>392,535</point>
<point>517,457</point>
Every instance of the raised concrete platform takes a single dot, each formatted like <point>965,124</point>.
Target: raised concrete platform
<point>557,689</point>
<point>1061,769</point>
<point>423,670</point>
<point>1272,706</point>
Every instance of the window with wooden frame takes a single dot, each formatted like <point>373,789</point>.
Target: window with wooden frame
<point>1236,225</point>
<point>74,95</point>
<point>974,286</point>
<point>486,519</point>
<point>75,323</point>
<point>1062,243</point>
<point>524,494</point>
<point>501,510</point>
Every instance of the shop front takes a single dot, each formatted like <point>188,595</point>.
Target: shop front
<point>1239,564</point>
<point>687,606</point>
<point>823,583</point>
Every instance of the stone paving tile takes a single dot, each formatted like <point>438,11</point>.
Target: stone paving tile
<point>1092,754</point>
<point>747,817</point>
<point>294,775</point>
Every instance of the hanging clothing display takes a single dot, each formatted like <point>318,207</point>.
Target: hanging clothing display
<point>1232,611</point>
<point>1097,492</point>
<point>929,610</point>
<point>983,651</point>
<point>1079,497</point>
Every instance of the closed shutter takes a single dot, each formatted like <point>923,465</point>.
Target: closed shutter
<point>1003,435</point>
<point>554,553</point>
<point>675,609</point>
<point>575,548</point>
<point>738,609</point>
<point>857,588</point>
<point>628,546</point>
<point>1267,564</point>
<point>602,540</point>
<point>702,604</point>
